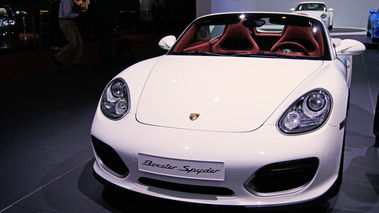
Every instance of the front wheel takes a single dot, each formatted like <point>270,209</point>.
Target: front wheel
<point>372,36</point>
<point>340,171</point>
<point>368,28</point>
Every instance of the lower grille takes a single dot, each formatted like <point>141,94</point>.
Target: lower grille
<point>205,190</point>
<point>109,158</point>
<point>283,176</point>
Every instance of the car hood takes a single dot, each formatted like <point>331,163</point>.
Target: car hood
<point>315,14</point>
<point>231,94</point>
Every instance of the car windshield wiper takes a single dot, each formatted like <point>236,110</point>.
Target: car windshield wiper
<point>197,53</point>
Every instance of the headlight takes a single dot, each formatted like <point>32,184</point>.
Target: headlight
<point>323,16</point>
<point>309,112</point>
<point>11,22</point>
<point>115,99</point>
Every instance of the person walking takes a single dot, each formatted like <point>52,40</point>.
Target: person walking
<point>67,17</point>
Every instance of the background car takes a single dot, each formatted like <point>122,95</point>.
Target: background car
<point>8,23</point>
<point>245,109</point>
<point>373,24</point>
<point>317,10</point>
<point>376,122</point>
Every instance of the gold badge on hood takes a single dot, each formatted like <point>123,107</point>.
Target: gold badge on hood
<point>194,116</point>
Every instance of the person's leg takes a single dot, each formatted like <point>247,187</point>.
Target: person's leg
<point>78,52</point>
<point>67,27</point>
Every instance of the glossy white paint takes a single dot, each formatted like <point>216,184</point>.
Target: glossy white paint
<point>218,86</point>
<point>240,101</point>
<point>242,154</point>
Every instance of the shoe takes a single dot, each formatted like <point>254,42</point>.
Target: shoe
<point>56,62</point>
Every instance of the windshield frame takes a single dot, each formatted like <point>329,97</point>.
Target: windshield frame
<point>233,18</point>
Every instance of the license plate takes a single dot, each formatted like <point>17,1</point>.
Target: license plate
<point>181,168</point>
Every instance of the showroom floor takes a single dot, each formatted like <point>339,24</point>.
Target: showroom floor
<point>46,156</point>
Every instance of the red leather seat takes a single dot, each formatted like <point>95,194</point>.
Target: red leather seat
<point>302,36</point>
<point>236,39</point>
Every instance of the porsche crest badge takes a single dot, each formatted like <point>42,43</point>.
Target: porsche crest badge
<point>194,116</point>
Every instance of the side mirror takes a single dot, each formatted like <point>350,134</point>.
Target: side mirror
<point>349,47</point>
<point>372,11</point>
<point>292,9</point>
<point>167,42</point>
<point>330,9</point>
<point>336,42</point>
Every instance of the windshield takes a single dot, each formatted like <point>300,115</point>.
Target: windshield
<point>255,35</point>
<point>3,12</point>
<point>311,6</point>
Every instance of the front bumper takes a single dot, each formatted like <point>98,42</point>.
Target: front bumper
<point>243,154</point>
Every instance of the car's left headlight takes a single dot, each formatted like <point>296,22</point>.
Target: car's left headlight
<point>309,112</point>
<point>115,99</point>
<point>9,22</point>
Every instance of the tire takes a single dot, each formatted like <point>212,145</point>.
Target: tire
<point>340,171</point>
<point>368,28</point>
<point>372,37</point>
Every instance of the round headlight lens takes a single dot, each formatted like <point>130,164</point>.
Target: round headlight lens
<point>292,120</point>
<point>115,99</point>
<point>118,89</point>
<point>323,16</point>
<point>316,101</point>
<point>309,112</point>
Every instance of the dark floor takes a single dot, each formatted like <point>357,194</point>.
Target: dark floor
<point>46,156</point>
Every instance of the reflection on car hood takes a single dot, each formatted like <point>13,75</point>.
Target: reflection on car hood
<point>229,93</point>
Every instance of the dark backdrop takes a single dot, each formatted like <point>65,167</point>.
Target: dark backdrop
<point>36,5</point>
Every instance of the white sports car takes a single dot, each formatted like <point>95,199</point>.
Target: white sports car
<point>317,10</point>
<point>245,109</point>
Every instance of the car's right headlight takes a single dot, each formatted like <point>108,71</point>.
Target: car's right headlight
<point>115,99</point>
<point>309,112</point>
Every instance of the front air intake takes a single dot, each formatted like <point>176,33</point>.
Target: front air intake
<point>282,176</point>
<point>204,190</point>
<point>109,159</point>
